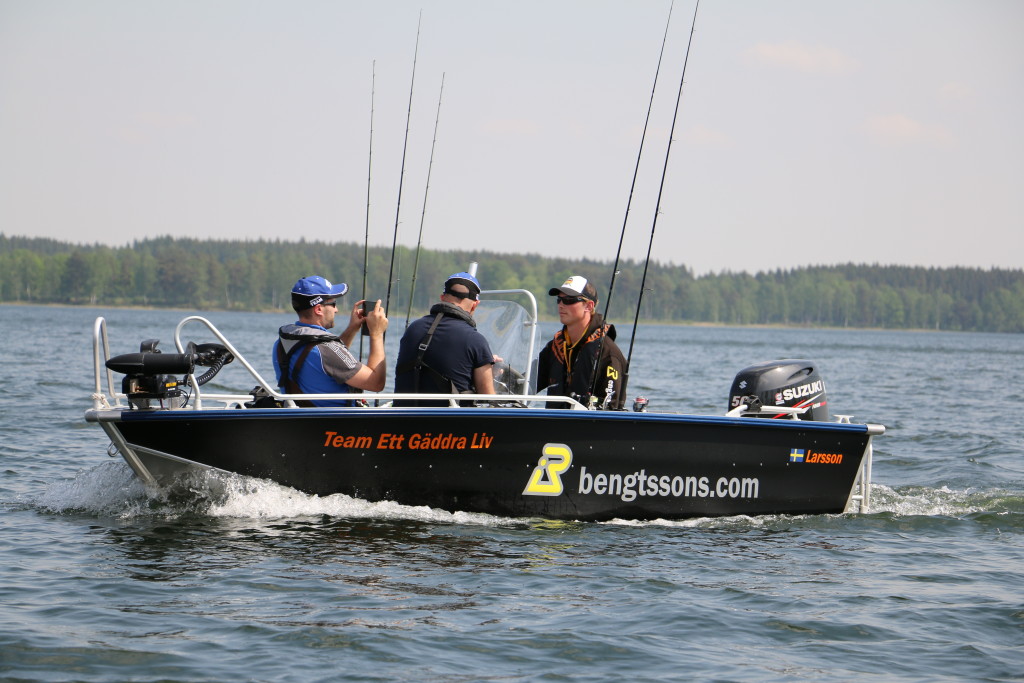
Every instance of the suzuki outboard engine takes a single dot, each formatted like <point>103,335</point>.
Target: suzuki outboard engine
<point>791,383</point>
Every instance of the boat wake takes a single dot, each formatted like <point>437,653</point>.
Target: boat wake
<point>111,489</point>
<point>944,502</point>
<point>911,502</point>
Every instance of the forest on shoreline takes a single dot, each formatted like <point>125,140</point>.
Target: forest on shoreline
<point>258,275</point>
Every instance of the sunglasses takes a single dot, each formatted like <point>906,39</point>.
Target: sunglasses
<point>330,303</point>
<point>461,295</point>
<point>571,300</point>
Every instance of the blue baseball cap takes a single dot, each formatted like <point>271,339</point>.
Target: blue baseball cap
<point>466,279</point>
<point>312,290</point>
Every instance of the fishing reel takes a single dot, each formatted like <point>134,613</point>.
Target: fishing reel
<point>151,374</point>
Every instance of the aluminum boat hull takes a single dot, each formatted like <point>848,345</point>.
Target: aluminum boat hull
<point>516,462</point>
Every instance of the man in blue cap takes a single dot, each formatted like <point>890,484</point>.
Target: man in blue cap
<point>443,353</point>
<point>310,360</point>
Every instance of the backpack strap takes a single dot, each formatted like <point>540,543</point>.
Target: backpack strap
<point>419,364</point>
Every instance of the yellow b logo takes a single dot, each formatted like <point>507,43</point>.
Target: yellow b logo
<point>546,478</point>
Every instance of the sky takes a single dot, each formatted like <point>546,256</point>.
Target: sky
<point>809,132</point>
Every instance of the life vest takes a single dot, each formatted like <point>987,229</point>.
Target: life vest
<point>304,344</point>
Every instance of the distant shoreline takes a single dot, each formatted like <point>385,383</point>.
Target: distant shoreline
<point>543,319</point>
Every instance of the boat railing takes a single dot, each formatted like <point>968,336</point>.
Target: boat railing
<point>111,398</point>
<point>197,396</point>
<point>100,356</point>
<point>791,412</point>
<point>861,496</point>
<point>386,400</point>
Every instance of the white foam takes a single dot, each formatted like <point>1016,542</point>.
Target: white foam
<point>698,522</point>
<point>106,489</point>
<point>922,500</point>
<point>257,498</point>
<point>908,502</point>
<point>112,489</point>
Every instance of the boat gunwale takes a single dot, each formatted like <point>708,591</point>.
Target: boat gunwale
<point>141,415</point>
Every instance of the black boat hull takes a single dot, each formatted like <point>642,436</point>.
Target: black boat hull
<point>556,464</point>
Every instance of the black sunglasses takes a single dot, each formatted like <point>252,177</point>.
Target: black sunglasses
<point>461,295</point>
<point>330,303</point>
<point>570,300</point>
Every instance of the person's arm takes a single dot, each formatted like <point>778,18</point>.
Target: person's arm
<point>374,375</point>
<point>277,368</point>
<point>355,322</point>
<point>483,379</point>
<point>612,368</point>
<point>542,380</point>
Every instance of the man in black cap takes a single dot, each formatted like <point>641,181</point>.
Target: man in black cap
<point>310,360</point>
<point>442,352</point>
<point>568,363</point>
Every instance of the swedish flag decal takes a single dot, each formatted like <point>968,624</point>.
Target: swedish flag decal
<point>796,455</point>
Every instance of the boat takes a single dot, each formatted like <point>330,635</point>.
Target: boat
<point>519,453</point>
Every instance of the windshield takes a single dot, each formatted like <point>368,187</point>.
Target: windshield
<point>509,329</point>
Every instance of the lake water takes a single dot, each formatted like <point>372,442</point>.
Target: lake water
<point>101,581</point>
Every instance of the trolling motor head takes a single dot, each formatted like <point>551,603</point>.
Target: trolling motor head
<point>151,374</point>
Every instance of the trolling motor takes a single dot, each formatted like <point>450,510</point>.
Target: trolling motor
<point>151,374</point>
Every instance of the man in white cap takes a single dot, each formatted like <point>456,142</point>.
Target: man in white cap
<point>569,363</point>
<point>310,360</point>
<point>442,352</point>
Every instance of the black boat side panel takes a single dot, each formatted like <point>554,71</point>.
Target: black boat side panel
<point>526,463</point>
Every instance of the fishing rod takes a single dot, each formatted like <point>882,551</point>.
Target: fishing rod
<point>419,240</point>
<point>661,187</point>
<point>629,202</point>
<point>369,175</point>
<point>401,178</point>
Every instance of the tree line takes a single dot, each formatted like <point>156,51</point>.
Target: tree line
<point>258,275</point>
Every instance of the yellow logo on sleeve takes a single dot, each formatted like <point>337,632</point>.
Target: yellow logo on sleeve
<point>546,478</point>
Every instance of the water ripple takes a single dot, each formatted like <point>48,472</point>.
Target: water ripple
<point>226,577</point>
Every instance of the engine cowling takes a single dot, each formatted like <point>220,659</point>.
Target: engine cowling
<point>792,383</point>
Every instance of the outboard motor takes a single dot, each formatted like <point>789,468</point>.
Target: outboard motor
<point>791,383</point>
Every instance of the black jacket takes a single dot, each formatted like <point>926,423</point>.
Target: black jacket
<point>576,376</point>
